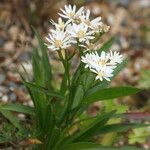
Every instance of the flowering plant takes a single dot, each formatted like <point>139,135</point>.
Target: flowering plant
<point>59,118</point>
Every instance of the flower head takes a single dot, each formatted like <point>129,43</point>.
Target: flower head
<point>69,12</point>
<point>60,25</point>
<point>103,73</point>
<point>58,40</point>
<point>115,57</point>
<point>80,32</point>
<point>103,65</point>
<point>92,24</point>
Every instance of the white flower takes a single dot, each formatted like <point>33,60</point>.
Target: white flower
<point>103,65</point>
<point>58,40</point>
<point>93,24</point>
<point>89,59</point>
<point>80,32</point>
<point>103,73</point>
<point>70,12</point>
<point>61,24</point>
<point>114,57</point>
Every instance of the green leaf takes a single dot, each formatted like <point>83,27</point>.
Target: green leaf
<point>41,89</point>
<point>18,108</point>
<point>107,45</point>
<point>78,96</point>
<point>14,120</point>
<point>44,60</point>
<point>93,146</point>
<point>89,131</point>
<point>110,93</point>
<point>38,75</point>
<point>120,127</point>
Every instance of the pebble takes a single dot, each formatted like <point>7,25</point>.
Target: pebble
<point>2,78</point>
<point>4,99</point>
<point>12,86</point>
<point>13,32</point>
<point>2,41</point>
<point>25,56</point>
<point>9,46</point>
<point>144,3</point>
<point>12,97</point>
<point>21,116</point>
<point>30,103</point>
<point>3,89</point>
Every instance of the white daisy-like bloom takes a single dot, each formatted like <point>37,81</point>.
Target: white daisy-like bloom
<point>94,24</point>
<point>103,65</point>
<point>61,24</point>
<point>103,73</point>
<point>80,32</point>
<point>89,59</point>
<point>58,40</point>
<point>114,57</point>
<point>70,12</point>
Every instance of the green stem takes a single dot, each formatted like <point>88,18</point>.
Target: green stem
<point>61,57</point>
<point>67,102</point>
<point>79,48</point>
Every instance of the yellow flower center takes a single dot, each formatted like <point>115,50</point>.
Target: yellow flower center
<point>102,62</point>
<point>58,43</point>
<point>100,74</point>
<point>81,34</point>
<point>71,14</point>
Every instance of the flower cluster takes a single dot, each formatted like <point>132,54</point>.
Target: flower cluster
<point>103,65</point>
<point>78,28</point>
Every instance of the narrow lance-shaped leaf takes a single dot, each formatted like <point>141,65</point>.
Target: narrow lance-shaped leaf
<point>93,146</point>
<point>120,127</point>
<point>37,68</point>
<point>109,93</point>
<point>44,60</point>
<point>18,108</point>
<point>14,120</point>
<point>41,89</point>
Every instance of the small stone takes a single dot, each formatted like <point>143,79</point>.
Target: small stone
<point>145,3</point>
<point>2,41</point>
<point>3,89</point>
<point>12,97</point>
<point>13,32</point>
<point>2,78</point>
<point>14,77</point>
<point>30,103</point>
<point>9,46</point>
<point>12,86</point>
<point>25,56</point>
<point>5,99</point>
<point>21,116</point>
